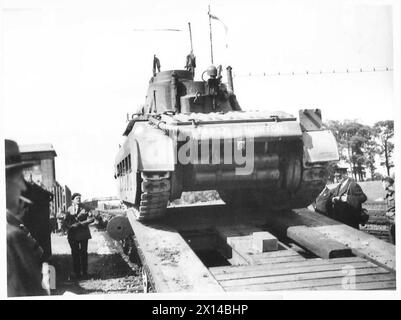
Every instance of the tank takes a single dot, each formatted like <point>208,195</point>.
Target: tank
<point>193,135</point>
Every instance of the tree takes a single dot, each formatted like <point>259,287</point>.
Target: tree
<point>355,139</point>
<point>385,133</point>
<point>337,128</point>
<point>372,149</point>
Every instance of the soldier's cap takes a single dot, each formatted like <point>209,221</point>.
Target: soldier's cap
<point>76,194</point>
<point>388,179</point>
<point>13,157</point>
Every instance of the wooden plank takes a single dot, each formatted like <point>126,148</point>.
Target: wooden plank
<point>308,262</point>
<point>317,243</point>
<point>375,285</point>
<point>340,282</point>
<point>362,244</point>
<point>294,270</point>
<point>255,239</point>
<point>272,278</point>
<point>263,241</point>
<point>232,256</point>
<point>279,254</point>
<point>238,257</point>
<point>244,241</point>
<point>172,265</point>
<point>263,259</point>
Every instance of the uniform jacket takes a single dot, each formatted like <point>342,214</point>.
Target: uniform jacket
<point>390,202</point>
<point>77,223</point>
<point>24,261</point>
<point>348,212</point>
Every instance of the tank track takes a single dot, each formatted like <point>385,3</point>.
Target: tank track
<point>154,196</point>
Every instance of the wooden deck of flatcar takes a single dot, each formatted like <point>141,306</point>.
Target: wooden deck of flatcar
<point>319,253</point>
<point>307,274</point>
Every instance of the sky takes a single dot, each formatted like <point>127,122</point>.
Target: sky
<point>72,70</point>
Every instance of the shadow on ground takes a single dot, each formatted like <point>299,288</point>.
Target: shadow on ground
<point>109,274</point>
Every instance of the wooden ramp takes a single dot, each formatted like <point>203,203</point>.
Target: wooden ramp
<point>352,273</point>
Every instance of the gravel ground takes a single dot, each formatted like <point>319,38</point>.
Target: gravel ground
<point>110,272</point>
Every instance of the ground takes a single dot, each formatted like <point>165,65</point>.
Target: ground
<point>111,271</point>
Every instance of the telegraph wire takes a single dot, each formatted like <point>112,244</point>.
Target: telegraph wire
<point>320,72</point>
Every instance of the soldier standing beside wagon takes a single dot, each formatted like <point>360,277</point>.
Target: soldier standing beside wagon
<point>388,185</point>
<point>77,221</point>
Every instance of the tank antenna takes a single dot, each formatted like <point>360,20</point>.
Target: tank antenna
<point>211,40</point>
<point>190,36</point>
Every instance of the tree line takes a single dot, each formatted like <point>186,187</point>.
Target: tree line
<point>359,145</point>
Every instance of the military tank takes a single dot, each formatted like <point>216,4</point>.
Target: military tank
<point>192,135</point>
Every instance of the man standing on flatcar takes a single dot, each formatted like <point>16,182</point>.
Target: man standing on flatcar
<point>77,221</point>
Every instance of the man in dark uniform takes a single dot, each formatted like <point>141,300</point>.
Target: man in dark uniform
<point>388,185</point>
<point>77,220</point>
<point>24,255</point>
<point>347,199</point>
<point>156,65</point>
<point>191,63</point>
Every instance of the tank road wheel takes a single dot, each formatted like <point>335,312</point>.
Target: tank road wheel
<point>293,174</point>
<point>154,195</point>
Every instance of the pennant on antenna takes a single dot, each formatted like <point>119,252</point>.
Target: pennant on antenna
<point>212,16</point>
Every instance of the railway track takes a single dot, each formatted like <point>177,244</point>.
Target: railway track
<point>378,224</point>
<point>213,248</point>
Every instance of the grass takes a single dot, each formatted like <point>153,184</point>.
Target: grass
<point>373,190</point>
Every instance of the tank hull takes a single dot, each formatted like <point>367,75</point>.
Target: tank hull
<point>192,136</point>
<point>272,161</point>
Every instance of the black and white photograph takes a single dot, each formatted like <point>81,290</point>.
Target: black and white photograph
<point>198,150</point>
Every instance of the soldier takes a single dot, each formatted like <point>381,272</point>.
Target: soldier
<point>191,63</point>
<point>77,221</point>
<point>24,255</point>
<point>388,185</point>
<point>156,65</point>
<point>347,199</point>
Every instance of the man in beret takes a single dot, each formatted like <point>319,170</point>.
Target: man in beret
<point>77,221</point>
<point>388,185</point>
<point>24,255</point>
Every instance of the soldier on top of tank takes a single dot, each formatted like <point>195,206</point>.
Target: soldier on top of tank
<point>191,63</point>
<point>156,65</point>
<point>77,221</point>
